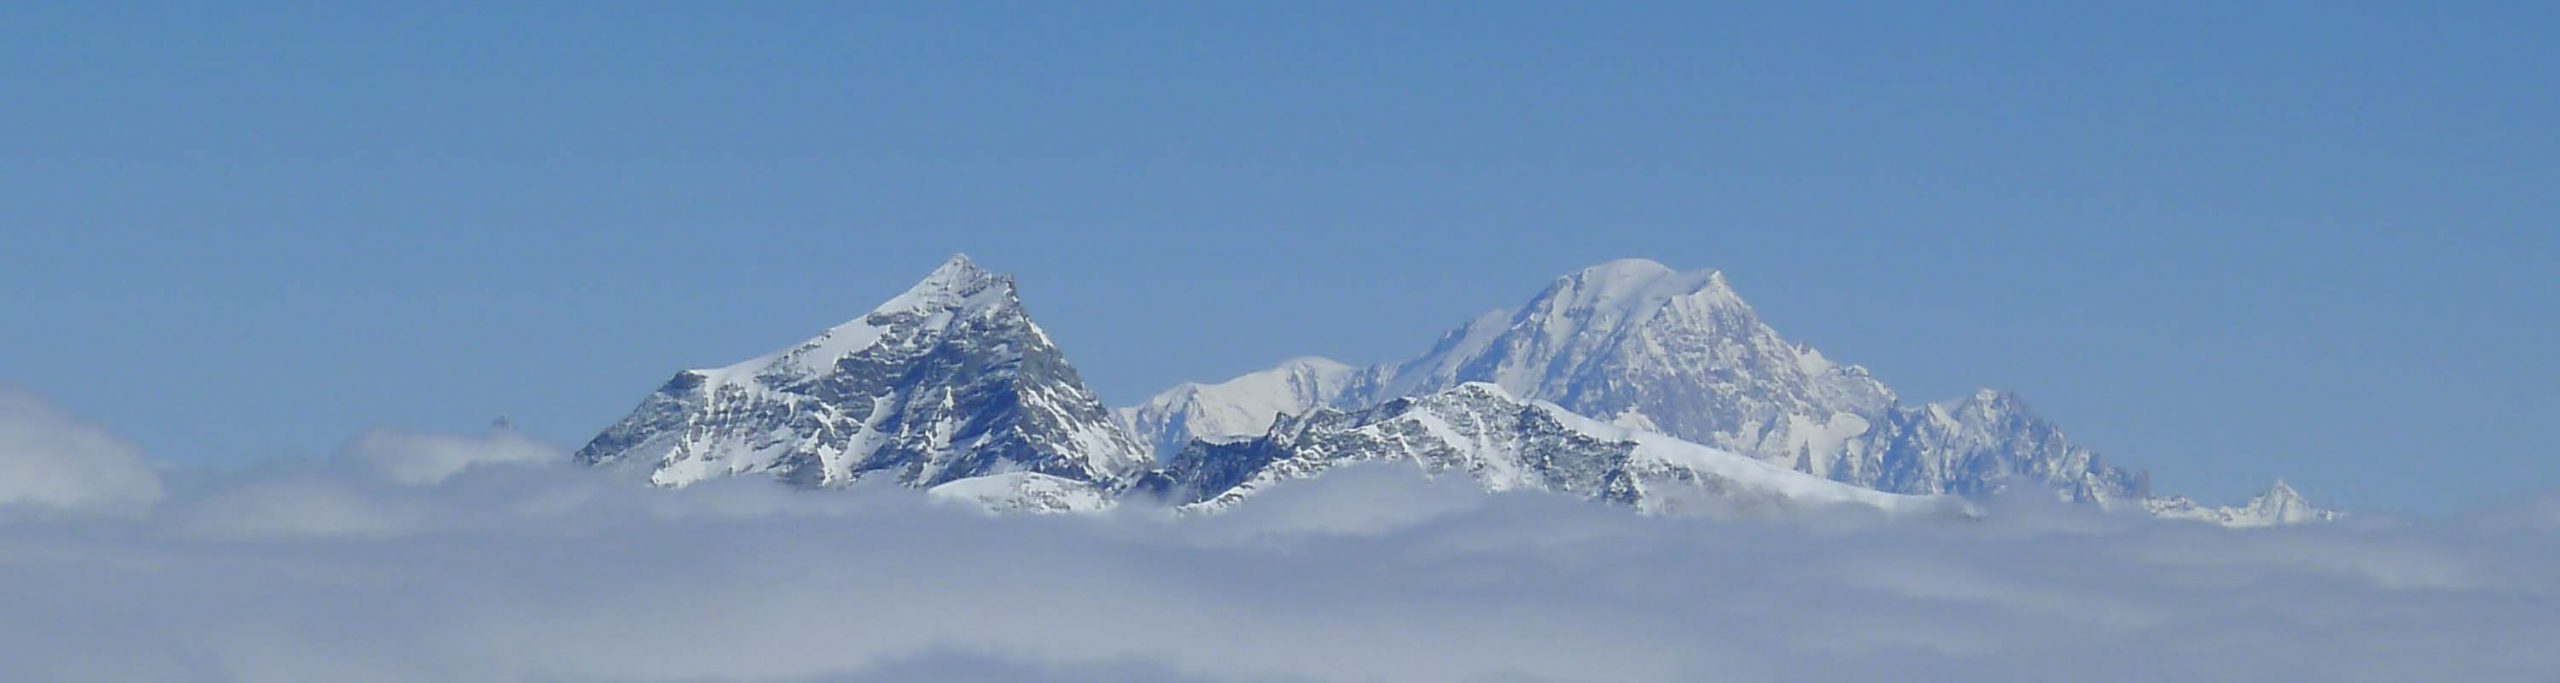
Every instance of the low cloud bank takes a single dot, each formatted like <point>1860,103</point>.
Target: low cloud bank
<point>512,568</point>
<point>51,463</point>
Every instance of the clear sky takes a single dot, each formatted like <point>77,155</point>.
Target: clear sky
<point>2225,242</point>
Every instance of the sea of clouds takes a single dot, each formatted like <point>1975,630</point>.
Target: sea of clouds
<point>411,557</point>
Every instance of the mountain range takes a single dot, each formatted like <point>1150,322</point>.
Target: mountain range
<point>1627,382</point>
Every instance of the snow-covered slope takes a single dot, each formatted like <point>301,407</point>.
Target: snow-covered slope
<point>948,381</point>
<point>1240,408</point>
<point>1506,443</point>
<point>2279,505</point>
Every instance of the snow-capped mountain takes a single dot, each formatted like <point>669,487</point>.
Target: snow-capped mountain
<point>948,381</point>
<point>1639,345</point>
<point>1635,343</point>
<point>2279,505</point>
<point>1505,443</point>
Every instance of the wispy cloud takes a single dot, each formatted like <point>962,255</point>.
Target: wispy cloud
<point>392,563</point>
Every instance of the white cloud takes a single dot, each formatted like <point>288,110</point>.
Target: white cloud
<point>513,572</point>
<point>53,463</point>
<point>413,458</point>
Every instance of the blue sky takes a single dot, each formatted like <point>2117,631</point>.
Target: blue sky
<point>2221,243</point>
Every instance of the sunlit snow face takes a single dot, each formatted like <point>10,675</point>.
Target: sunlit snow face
<point>515,569</point>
